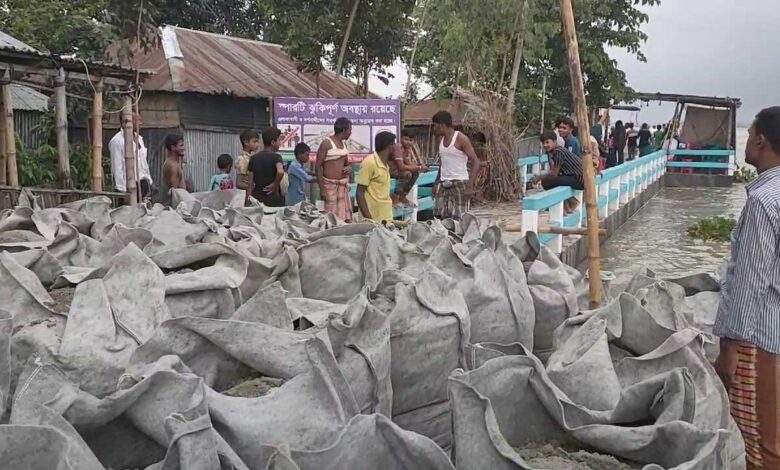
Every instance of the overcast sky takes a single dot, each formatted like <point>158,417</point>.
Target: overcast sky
<point>703,47</point>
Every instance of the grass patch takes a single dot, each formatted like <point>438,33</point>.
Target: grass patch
<point>745,174</point>
<point>717,228</point>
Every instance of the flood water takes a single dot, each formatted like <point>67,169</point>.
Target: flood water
<point>656,236</point>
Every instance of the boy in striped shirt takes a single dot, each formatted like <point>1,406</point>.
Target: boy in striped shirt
<point>565,169</point>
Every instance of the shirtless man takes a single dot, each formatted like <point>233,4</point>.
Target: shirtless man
<point>333,170</point>
<point>173,174</point>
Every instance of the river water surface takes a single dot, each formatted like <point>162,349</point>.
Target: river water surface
<point>656,236</point>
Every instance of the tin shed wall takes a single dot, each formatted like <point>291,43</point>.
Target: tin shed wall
<point>202,149</point>
<point>215,112</point>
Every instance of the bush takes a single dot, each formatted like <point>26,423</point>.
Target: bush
<point>745,174</point>
<point>38,166</point>
<point>713,228</point>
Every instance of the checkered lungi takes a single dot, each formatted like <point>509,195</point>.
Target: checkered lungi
<point>337,198</point>
<point>751,378</point>
<point>451,202</point>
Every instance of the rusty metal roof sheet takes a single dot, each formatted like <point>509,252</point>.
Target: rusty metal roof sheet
<point>26,99</point>
<point>421,113</point>
<point>8,42</point>
<point>216,64</point>
<point>14,51</point>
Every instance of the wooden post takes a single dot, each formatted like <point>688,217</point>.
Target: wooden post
<point>127,131</point>
<point>410,68</point>
<point>10,135</point>
<point>61,129</point>
<point>97,137</point>
<point>581,112</point>
<point>136,138</point>
<point>519,45</point>
<point>345,41</point>
<point>3,159</point>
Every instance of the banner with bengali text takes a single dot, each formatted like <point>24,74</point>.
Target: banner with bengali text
<point>310,120</point>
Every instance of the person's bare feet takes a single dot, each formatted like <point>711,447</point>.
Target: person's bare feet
<point>573,204</point>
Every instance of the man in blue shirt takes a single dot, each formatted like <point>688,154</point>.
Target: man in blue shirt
<point>298,176</point>
<point>565,127</point>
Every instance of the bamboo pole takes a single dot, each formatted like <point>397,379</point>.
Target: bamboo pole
<point>519,45</point>
<point>554,230</point>
<point>97,137</point>
<point>127,132</point>
<point>136,140</point>
<point>3,159</point>
<point>61,129</point>
<point>581,112</point>
<point>345,41</point>
<point>10,136</point>
<point>410,68</point>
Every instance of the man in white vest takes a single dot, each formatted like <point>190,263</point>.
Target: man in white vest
<point>455,185</point>
<point>116,148</point>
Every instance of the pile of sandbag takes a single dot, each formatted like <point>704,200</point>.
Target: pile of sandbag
<point>145,337</point>
<point>629,380</point>
<point>215,336</point>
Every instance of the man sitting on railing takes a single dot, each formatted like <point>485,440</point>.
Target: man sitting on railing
<point>565,169</point>
<point>408,166</point>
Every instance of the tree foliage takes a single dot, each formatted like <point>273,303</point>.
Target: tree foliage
<point>464,43</point>
<point>305,27</point>
<point>89,27</point>
<point>312,32</point>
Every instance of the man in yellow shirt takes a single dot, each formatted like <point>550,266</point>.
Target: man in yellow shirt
<point>373,180</point>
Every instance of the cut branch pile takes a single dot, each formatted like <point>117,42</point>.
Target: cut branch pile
<point>498,180</point>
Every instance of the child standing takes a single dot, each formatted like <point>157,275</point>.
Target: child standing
<point>298,176</point>
<point>250,144</point>
<point>222,181</point>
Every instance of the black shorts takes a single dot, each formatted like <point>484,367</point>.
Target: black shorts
<point>563,180</point>
<point>146,189</point>
<point>275,199</point>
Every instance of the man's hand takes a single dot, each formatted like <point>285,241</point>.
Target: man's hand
<point>347,171</point>
<point>271,188</point>
<point>424,168</point>
<point>470,192</point>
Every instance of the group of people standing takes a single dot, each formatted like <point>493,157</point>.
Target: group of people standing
<point>627,143</point>
<point>261,172</point>
<point>173,168</point>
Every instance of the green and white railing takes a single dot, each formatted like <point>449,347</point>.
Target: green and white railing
<point>696,161</point>
<point>531,166</point>
<point>616,187</point>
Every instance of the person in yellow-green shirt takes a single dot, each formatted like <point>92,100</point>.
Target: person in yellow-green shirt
<point>373,180</point>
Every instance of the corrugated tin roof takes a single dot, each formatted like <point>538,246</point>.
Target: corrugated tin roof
<point>26,99</point>
<point>14,51</point>
<point>8,42</point>
<point>217,64</point>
